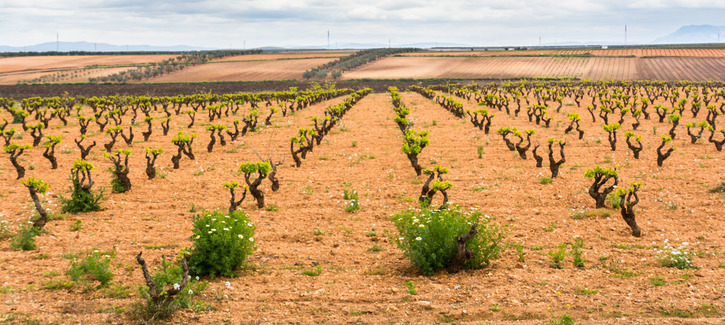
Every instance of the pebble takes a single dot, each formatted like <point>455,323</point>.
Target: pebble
<point>425,303</point>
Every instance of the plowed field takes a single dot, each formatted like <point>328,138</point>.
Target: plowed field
<point>590,68</point>
<point>242,71</point>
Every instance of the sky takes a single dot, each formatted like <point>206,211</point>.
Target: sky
<point>300,23</point>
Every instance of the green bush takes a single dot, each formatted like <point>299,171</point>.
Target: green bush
<point>221,243</point>
<point>81,201</point>
<point>429,237</point>
<point>25,238</point>
<point>83,198</point>
<point>95,266</point>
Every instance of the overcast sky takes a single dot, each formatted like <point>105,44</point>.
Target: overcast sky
<point>256,23</point>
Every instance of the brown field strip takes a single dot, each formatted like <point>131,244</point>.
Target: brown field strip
<point>242,71</point>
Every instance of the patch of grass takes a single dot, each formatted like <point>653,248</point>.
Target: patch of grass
<point>550,227</point>
<point>480,188</point>
<point>657,281</point>
<point>69,256</point>
<point>676,312</point>
<point>557,256</point>
<point>707,310</point>
<point>317,271</point>
<point>193,208</point>
<point>360,312</point>
<point>630,246</point>
<point>519,251</point>
<point>563,320</point>
<point>719,188</point>
<point>618,271</point>
<point>584,214</point>
<point>446,319</point>
<point>95,266</point>
<point>25,239</point>
<point>375,249</point>
<point>318,232</point>
<point>116,291</point>
<point>545,180</point>
<point>40,256</point>
<point>271,207</point>
<point>613,200</point>
<point>523,316</point>
<point>152,246</point>
<point>59,284</point>
<point>308,190</point>
<point>410,286</point>
<point>376,271</point>
<point>586,291</point>
<point>77,225</point>
<point>354,144</point>
<point>670,205</point>
<point>161,174</point>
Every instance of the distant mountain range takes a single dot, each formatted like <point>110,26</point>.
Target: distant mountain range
<point>105,47</point>
<point>96,47</point>
<point>694,34</point>
<point>683,35</point>
<point>358,46</point>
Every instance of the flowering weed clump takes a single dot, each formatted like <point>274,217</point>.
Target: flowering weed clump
<point>221,243</point>
<point>679,257</point>
<point>430,238</point>
<point>352,202</point>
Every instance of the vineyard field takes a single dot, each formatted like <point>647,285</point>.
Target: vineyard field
<point>317,262</point>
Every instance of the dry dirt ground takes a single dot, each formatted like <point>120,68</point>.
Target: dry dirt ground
<point>243,71</point>
<point>358,284</point>
<point>15,69</point>
<point>27,69</point>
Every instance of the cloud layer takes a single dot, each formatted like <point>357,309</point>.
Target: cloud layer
<point>255,23</point>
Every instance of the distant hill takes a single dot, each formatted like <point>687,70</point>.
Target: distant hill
<point>361,46</point>
<point>694,34</point>
<point>105,47</point>
<point>96,47</point>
